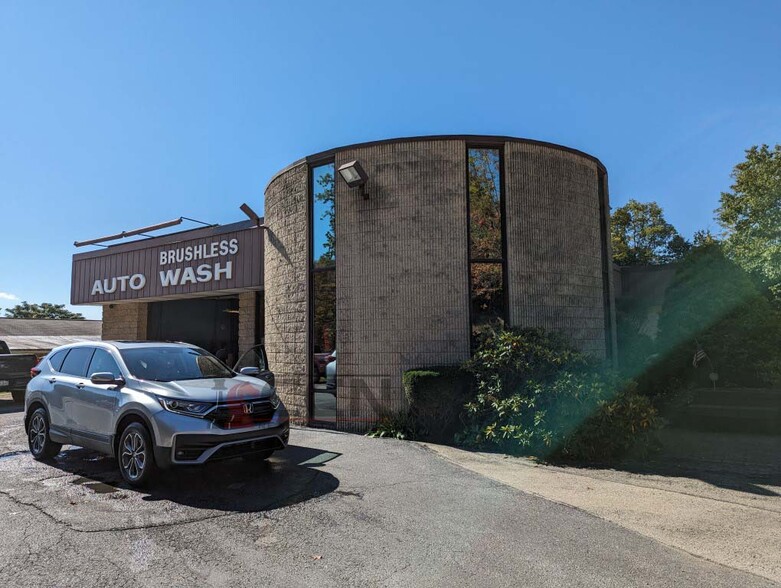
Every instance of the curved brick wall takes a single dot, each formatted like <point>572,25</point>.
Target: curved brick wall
<point>554,252</point>
<point>285,283</point>
<point>402,271</point>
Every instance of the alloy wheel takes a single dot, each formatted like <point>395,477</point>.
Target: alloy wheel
<point>37,434</point>
<point>133,458</point>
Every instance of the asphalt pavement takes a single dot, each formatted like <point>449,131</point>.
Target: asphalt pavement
<point>331,510</point>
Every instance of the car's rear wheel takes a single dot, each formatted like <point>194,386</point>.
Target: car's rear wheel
<point>136,455</point>
<point>41,445</point>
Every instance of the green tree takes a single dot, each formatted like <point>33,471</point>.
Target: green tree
<point>714,304</point>
<point>44,310</point>
<point>640,235</point>
<point>751,216</point>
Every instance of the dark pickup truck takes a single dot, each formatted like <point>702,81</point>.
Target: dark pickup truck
<point>15,371</point>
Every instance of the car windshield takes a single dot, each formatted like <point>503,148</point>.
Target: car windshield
<point>167,364</point>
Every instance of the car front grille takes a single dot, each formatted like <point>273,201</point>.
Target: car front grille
<point>242,414</point>
<point>191,447</point>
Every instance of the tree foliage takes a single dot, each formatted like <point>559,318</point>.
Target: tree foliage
<point>640,235</point>
<point>713,304</point>
<point>536,394</point>
<point>751,215</point>
<point>44,310</point>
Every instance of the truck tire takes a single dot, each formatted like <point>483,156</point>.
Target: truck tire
<point>18,396</point>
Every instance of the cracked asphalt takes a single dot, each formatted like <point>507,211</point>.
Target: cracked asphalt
<point>331,510</point>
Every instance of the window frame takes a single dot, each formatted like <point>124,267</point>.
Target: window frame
<point>111,355</point>
<point>65,353</point>
<point>499,147</point>
<point>312,269</point>
<point>91,351</point>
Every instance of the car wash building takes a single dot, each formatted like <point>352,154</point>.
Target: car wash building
<point>203,286</point>
<point>389,256</point>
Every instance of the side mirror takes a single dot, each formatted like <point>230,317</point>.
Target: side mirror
<point>250,371</point>
<point>106,378</point>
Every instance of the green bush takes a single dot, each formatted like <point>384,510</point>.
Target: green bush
<point>536,394</point>
<point>397,425</point>
<point>436,398</point>
<point>714,304</point>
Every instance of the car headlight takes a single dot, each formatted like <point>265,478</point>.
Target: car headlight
<point>275,401</point>
<point>187,407</point>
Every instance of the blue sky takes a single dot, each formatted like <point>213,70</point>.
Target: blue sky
<point>118,115</point>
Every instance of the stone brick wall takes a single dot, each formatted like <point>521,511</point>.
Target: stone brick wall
<point>246,321</point>
<point>401,273</point>
<point>286,292</point>
<point>554,252</point>
<point>124,322</point>
<point>402,266</point>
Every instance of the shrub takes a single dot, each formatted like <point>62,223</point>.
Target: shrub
<point>714,304</point>
<point>537,395</point>
<point>436,398</point>
<point>397,425</point>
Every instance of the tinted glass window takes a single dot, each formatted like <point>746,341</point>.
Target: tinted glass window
<point>487,297</point>
<point>57,359</point>
<point>323,219</point>
<point>76,362</point>
<point>485,206</point>
<point>103,362</point>
<point>166,364</point>
<point>252,358</point>
<point>323,301</point>
<point>486,241</point>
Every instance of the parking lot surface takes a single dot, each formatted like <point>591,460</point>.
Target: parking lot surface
<point>331,510</point>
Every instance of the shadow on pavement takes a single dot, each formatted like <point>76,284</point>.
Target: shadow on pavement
<point>7,405</point>
<point>743,463</point>
<point>290,476</point>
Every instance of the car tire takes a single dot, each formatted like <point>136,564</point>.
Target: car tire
<point>136,455</point>
<point>38,440</point>
<point>18,396</point>
<point>259,456</point>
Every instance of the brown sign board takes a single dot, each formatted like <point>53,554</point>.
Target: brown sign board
<point>216,259</point>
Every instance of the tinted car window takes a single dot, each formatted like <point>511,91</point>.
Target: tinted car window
<point>166,364</point>
<point>76,362</point>
<point>57,359</point>
<point>252,358</point>
<point>103,362</point>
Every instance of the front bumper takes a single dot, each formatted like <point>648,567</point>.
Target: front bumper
<point>184,440</point>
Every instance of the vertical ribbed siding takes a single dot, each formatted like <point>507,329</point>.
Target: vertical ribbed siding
<point>402,285</point>
<point>286,278</point>
<point>554,243</point>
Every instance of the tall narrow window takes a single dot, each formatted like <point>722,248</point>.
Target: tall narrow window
<point>486,241</point>
<point>323,298</point>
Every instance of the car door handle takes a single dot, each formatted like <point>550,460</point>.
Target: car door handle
<point>80,385</point>
<point>52,380</point>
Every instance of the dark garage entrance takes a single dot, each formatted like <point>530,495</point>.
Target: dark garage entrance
<point>210,323</point>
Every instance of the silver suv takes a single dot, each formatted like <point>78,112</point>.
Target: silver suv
<point>151,405</point>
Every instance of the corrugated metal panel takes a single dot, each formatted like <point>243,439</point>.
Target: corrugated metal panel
<point>18,344</point>
<point>10,327</point>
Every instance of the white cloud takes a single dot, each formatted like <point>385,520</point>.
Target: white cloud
<point>7,296</point>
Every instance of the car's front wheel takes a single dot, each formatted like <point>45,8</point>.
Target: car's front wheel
<point>136,455</point>
<point>41,445</point>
